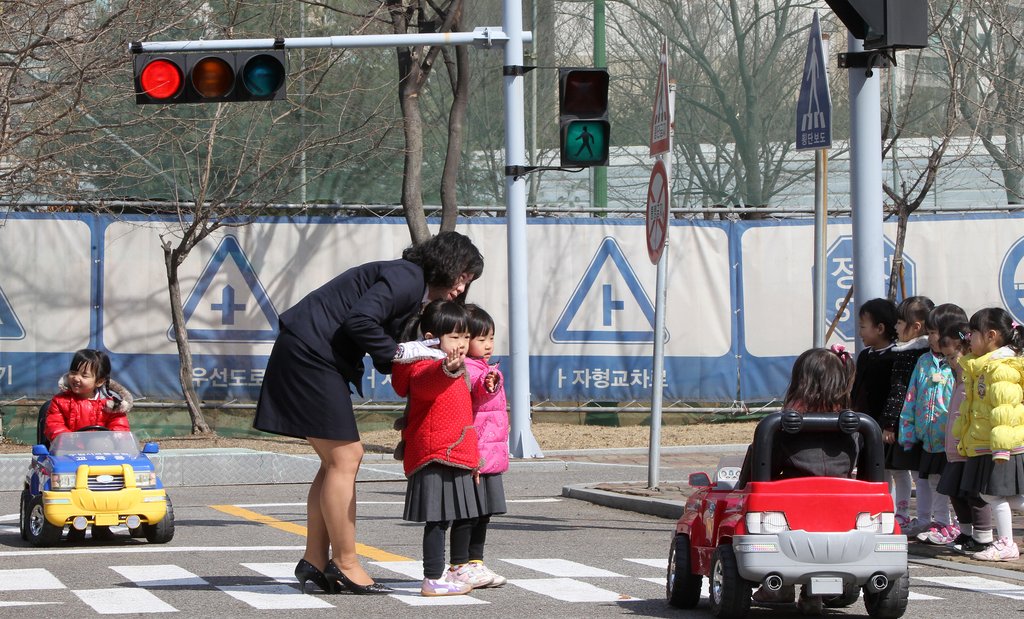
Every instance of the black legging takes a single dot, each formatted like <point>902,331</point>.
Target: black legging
<point>478,539</point>
<point>433,545</point>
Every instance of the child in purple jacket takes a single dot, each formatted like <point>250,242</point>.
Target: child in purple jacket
<point>491,420</point>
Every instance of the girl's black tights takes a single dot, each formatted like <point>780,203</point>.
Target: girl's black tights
<point>433,545</point>
<point>478,538</point>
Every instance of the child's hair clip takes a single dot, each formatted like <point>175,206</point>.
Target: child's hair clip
<point>840,351</point>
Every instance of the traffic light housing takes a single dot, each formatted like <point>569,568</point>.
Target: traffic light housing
<point>209,77</point>
<point>885,24</point>
<point>584,131</point>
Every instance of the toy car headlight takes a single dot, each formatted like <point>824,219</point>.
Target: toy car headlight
<point>62,481</point>
<point>884,522</point>
<point>145,479</point>
<point>766,522</point>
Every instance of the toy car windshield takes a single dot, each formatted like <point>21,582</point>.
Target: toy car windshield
<point>70,443</point>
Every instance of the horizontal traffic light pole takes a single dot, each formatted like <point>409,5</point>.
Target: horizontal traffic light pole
<point>485,36</point>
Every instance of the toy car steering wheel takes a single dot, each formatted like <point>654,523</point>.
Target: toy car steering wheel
<point>93,429</point>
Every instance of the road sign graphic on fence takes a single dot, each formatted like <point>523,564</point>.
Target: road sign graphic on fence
<point>608,305</point>
<point>1011,281</point>
<point>10,326</point>
<point>839,279</point>
<point>228,302</point>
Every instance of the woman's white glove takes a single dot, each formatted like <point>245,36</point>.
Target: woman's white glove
<point>419,349</point>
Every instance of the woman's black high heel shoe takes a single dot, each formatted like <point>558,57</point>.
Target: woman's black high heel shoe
<point>336,577</point>
<point>306,571</point>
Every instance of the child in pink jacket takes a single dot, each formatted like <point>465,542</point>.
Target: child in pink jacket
<point>491,420</point>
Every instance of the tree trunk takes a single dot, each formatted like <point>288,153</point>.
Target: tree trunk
<point>903,215</point>
<point>188,391</point>
<point>456,128</point>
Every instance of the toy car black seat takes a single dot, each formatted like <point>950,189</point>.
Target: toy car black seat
<point>871,461</point>
<point>41,425</point>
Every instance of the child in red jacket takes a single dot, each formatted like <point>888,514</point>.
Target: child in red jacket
<point>441,454</point>
<point>88,397</point>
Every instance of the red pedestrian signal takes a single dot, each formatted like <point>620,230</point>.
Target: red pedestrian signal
<point>209,77</point>
<point>584,130</point>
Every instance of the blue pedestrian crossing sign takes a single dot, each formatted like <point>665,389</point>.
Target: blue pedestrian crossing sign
<point>814,105</point>
<point>228,302</point>
<point>10,326</point>
<point>608,305</point>
<point>1011,281</point>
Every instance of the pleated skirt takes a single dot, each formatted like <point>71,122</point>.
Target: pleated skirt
<point>490,495</point>
<point>898,459</point>
<point>949,483</point>
<point>439,493</point>
<point>983,475</point>
<point>931,464</point>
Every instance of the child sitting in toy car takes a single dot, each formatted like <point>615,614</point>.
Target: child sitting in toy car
<point>820,383</point>
<point>88,397</point>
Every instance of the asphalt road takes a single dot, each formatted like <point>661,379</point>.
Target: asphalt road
<point>235,548</point>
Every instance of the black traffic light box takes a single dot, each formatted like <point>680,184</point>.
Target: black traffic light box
<point>584,130</point>
<point>885,24</point>
<point>211,77</point>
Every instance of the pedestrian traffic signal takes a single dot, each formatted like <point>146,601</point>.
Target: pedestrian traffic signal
<point>583,117</point>
<point>209,77</point>
<point>885,24</point>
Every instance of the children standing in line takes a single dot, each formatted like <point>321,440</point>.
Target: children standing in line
<point>88,397</point>
<point>974,514</point>
<point>490,417</point>
<point>923,422</point>
<point>441,455</point>
<point>992,424</point>
<point>877,330</point>
<point>899,462</point>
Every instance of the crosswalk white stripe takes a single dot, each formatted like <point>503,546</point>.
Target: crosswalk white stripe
<point>159,575</point>
<point>570,590</point>
<point>142,548</point>
<point>281,572</point>
<point>981,585</point>
<point>34,578</point>
<point>409,569</point>
<point>303,504</point>
<point>273,597</point>
<point>118,601</point>
<point>658,563</point>
<point>409,593</point>
<point>563,568</point>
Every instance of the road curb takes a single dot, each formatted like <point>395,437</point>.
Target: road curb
<point>663,508</point>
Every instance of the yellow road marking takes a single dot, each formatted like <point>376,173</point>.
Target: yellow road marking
<point>362,549</point>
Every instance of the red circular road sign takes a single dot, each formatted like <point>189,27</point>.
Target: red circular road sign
<point>657,211</point>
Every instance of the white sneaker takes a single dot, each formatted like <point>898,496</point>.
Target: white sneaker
<point>433,587</point>
<point>468,575</point>
<point>1003,549</point>
<point>496,579</point>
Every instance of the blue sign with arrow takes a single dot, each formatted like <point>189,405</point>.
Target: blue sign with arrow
<point>814,105</point>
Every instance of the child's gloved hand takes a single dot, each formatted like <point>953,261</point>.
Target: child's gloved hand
<point>419,349</point>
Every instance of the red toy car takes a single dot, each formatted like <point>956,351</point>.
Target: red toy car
<point>835,536</point>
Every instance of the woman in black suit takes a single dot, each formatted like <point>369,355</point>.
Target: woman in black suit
<point>319,353</point>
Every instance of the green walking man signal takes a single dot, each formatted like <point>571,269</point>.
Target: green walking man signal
<point>584,130</point>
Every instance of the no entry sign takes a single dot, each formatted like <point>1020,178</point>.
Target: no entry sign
<point>657,211</point>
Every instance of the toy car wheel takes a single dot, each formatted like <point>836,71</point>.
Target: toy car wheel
<point>137,532</point>
<point>851,592</point>
<point>682,586</point>
<point>890,603</point>
<point>163,531</point>
<point>40,531</point>
<point>23,514</point>
<point>730,593</point>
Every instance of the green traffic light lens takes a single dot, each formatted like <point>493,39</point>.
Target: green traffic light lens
<point>161,79</point>
<point>213,77</point>
<point>263,75</point>
<point>586,143</point>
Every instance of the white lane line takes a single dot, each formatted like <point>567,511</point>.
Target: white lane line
<point>281,572</point>
<point>569,590</point>
<point>10,604</point>
<point>31,579</point>
<point>116,601</point>
<point>10,530</point>
<point>921,597</point>
<point>159,576</point>
<point>251,505</point>
<point>9,518</point>
<point>658,563</point>
<point>143,548</point>
<point>980,585</point>
<point>409,593</point>
<point>274,597</point>
<point>563,568</point>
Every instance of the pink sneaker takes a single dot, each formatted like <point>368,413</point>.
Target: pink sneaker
<point>432,587</point>
<point>1003,549</point>
<point>467,574</point>
<point>942,535</point>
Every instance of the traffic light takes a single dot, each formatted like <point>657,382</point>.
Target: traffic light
<point>885,24</point>
<point>583,117</point>
<point>209,77</point>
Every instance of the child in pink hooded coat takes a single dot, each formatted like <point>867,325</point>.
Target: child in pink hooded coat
<point>491,420</point>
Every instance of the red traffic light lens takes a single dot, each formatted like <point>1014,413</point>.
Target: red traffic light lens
<point>161,79</point>
<point>585,92</point>
<point>213,77</point>
<point>263,75</point>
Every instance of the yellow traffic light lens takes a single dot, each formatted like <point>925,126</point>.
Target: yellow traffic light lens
<point>161,79</point>
<point>263,75</point>
<point>213,77</point>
